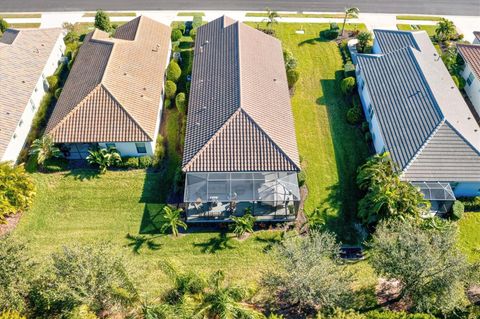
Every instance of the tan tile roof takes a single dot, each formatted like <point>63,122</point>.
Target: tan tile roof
<point>239,113</point>
<point>114,89</point>
<point>23,56</point>
<point>471,54</point>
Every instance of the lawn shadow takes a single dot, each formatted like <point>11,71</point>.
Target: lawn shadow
<point>313,41</point>
<point>269,239</point>
<point>350,151</point>
<point>137,242</point>
<point>83,174</point>
<point>152,219</point>
<point>221,242</point>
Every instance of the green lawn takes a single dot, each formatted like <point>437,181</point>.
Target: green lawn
<point>24,25</point>
<point>20,15</point>
<point>331,149</point>
<point>407,27</point>
<point>469,238</point>
<point>190,14</point>
<point>112,14</point>
<point>297,15</point>
<point>420,18</point>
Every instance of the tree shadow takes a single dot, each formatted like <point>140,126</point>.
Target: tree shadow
<point>214,244</point>
<point>137,242</point>
<point>269,239</point>
<point>83,174</point>
<point>152,219</point>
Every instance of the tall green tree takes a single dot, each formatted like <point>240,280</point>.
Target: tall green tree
<point>350,13</point>
<point>311,276</point>
<point>431,270</point>
<point>17,189</point>
<point>172,220</point>
<point>272,17</point>
<point>102,21</point>
<point>364,39</point>
<point>445,29</point>
<point>43,149</point>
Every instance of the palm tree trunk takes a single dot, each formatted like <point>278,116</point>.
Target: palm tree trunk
<point>343,26</point>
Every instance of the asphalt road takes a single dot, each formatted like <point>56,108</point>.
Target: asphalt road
<point>447,7</point>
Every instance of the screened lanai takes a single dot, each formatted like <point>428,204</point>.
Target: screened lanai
<point>266,195</point>
<point>439,194</point>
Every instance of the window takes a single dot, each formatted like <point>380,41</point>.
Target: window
<point>470,78</point>
<point>141,149</point>
<point>370,111</point>
<point>109,145</point>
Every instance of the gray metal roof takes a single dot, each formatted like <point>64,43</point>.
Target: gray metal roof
<point>239,112</point>
<point>393,40</point>
<point>421,113</point>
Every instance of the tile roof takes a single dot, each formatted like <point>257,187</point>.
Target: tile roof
<point>114,89</point>
<point>23,56</point>
<point>418,106</point>
<point>239,113</point>
<point>471,55</point>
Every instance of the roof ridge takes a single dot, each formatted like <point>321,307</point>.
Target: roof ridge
<point>239,66</point>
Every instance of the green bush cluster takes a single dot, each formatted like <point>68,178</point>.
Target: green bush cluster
<point>167,103</point>
<point>176,35</point>
<point>302,177</point>
<point>332,33</point>
<point>354,115</point>
<point>137,162</point>
<point>349,69</point>
<point>159,154</point>
<point>53,83</point>
<point>181,103</point>
<point>3,25</point>
<point>197,21</point>
<point>457,210</point>
<point>459,81</point>
<point>348,85</point>
<point>102,21</point>
<point>170,89</point>
<point>193,34</point>
<point>173,71</point>
<point>291,68</point>
<point>58,92</point>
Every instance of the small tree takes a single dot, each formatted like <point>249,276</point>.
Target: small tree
<point>102,21</point>
<point>348,85</point>
<point>243,224</point>
<point>181,103</point>
<point>445,30</point>
<point>193,33</point>
<point>170,89</point>
<point>43,149</point>
<point>71,37</point>
<point>3,25</point>
<point>172,220</point>
<point>176,35</point>
<point>104,158</point>
<point>173,71</point>
<point>53,82</point>
<point>354,115</point>
<point>292,77</point>
<point>272,17</point>
<point>350,13</point>
<point>457,210</point>
<point>364,39</point>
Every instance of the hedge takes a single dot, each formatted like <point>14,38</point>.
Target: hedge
<point>348,85</point>
<point>472,204</point>
<point>292,77</point>
<point>181,103</point>
<point>349,70</point>
<point>173,71</point>
<point>52,83</point>
<point>457,210</point>
<point>302,177</point>
<point>170,89</point>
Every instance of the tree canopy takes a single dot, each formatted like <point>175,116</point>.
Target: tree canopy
<point>102,21</point>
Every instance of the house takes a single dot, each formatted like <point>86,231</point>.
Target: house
<point>470,53</point>
<point>27,57</point>
<point>416,113</point>
<point>476,39</point>
<point>240,149</point>
<point>113,95</point>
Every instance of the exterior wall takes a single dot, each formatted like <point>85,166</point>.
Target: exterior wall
<point>476,41</point>
<point>376,48</point>
<point>129,149</point>
<point>23,128</point>
<point>473,90</point>
<point>467,189</point>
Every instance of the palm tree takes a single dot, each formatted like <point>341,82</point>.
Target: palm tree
<point>44,149</point>
<point>445,29</point>
<point>364,39</point>
<point>243,224</point>
<point>104,158</point>
<point>376,170</point>
<point>223,301</point>
<point>350,13</point>
<point>271,17</point>
<point>172,220</point>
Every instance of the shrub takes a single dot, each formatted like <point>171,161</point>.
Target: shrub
<point>193,33</point>
<point>368,137</point>
<point>365,127</point>
<point>354,115</point>
<point>345,52</point>
<point>58,92</point>
<point>182,27</point>
<point>71,37</point>
<point>364,39</point>
<point>330,34</point>
<point>167,103</point>
<point>170,89</point>
<point>334,26</point>
<point>176,35</point>
<point>3,25</point>
<point>102,21</point>
<point>472,204</point>
<point>348,85</point>
<point>289,59</point>
<point>292,77</point>
<point>52,83</point>
<point>302,176</point>
<point>159,151</point>
<point>349,70</point>
<point>243,224</point>
<point>70,64</point>
<point>459,81</point>
<point>11,314</point>
<point>130,162</point>
<point>197,21</point>
<point>173,71</point>
<point>104,158</point>
<point>145,161</point>
<point>457,210</point>
<point>181,102</point>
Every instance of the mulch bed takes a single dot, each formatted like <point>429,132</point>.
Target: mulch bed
<point>11,223</point>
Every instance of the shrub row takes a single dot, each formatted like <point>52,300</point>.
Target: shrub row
<point>137,162</point>
<point>472,204</point>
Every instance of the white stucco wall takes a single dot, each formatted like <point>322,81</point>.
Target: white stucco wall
<point>129,149</point>
<point>376,48</point>
<point>23,127</point>
<point>473,90</point>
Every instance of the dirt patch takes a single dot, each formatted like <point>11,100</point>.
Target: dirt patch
<point>388,290</point>
<point>11,223</point>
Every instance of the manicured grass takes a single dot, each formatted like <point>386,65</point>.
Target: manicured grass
<point>469,238</point>
<point>86,27</point>
<point>20,15</point>
<point>111,14</point>
<point>190,14</point>
<point>331,149</point>
<point>24,25</point>
<point>407,27</point>
<point>297,15</point>
<point>420,18</point>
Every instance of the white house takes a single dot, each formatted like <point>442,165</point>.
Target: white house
<point>27,57</point>
<point>471,72</point>
<point>418,115</point>
<point>114,93</point>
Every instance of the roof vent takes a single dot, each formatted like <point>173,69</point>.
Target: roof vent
<point>155,49</point>
<point>124,73</point>
<point>23,81</point>
<point>274,79</point>
<point>206,42</point>
<point>469,118</point>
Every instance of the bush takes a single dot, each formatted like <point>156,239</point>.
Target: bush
<point>159,151</point>
<point>364,39</point>
<point>457,210</point>
<point>102,21</point>
<point>130,162</point>
<point>167,103</point>
<point>182,27</point>
<point>354,115</point>
<point>176,35</point>
<point>197,21</point>
<point>471,204</point>
<point>348,85</point>
<point>52,83</point>
<point>145,161</point>
<point>365,127</point>
<point>330,34</point>
<point>459,81</point>
<point>349,70</point>
<point>170,89</point>
<point>193,34</point>
<point>71,37</point>
<point>11,314</point>
<point>173,71</point>
<point>302,176</point>
<point>292,77</point>
<point>58,92</point>
<point>70,64</point>
<point>181,103</point>
<point>3,25</point>
<point>368,137</point>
